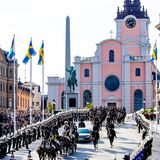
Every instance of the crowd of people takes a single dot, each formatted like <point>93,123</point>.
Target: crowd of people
<point>22,120</point>
<point>27,135</point>
<point>48,129</point>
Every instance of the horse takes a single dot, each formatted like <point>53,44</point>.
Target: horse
<point>41,150</point>
<point>95,137</point>
<point>56,143</point>
<point>47,150</point>
<point>111,135</point>
<point>66,144</point>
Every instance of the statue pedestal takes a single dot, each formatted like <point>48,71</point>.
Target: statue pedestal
<point>71,101</point>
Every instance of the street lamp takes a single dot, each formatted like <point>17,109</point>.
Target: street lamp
<point>144,102</point>
<point>53,106</point>
<point>158,27</point>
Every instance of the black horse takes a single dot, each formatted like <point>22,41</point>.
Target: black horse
<point>66,144</point>
<point>95,138</point>
<point>111,135</point>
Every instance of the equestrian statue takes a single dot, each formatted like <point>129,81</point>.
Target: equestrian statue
<point>72,81</point>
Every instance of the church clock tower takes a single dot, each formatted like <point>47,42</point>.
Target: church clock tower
<point>132,30</point>
<point>132,26</point>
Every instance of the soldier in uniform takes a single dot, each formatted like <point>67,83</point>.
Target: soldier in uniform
<point>27,140</point>
<point>29,137</point>
<point>3,148</point>
<point>20,140</point>
<point>38,132</point>
<point>34,134</point>
<point>23,138</point>
<point>0,149</point>
<point>42,129</point>
<point>14,142</point>
<point>17,141</point>
<point>9,142</point>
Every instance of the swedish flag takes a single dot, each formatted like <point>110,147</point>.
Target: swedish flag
<point>31,52</point>
<point>41,54</point>
<point>11,53</point>
<point>154,53</point>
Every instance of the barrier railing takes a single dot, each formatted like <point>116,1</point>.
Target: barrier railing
<point>48,120</point>
<point>145,146</point>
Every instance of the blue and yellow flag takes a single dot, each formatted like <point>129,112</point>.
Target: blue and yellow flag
<point>41,54</point>
<point>31,52</point>
<point>11,53</point>
<point>154,53</point>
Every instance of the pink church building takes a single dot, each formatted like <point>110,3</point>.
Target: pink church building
<point>119,73</point>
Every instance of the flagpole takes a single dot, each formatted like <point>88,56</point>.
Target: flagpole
<point>14,90</point>
<point>43,91</point>
<point>31,91</point>
<point>156,99</point>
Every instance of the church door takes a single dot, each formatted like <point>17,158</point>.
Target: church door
<point>111,106</point>
<point>138,100</point>
<point>87,97</point>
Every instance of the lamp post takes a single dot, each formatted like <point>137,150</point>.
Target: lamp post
<point>53,106</point>
<point>158,27</point>
<point>144,103</point>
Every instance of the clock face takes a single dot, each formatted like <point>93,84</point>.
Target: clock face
<point>130,22</point>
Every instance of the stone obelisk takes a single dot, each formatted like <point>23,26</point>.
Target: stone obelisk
<point>67,61</point>
<point>67,53</point>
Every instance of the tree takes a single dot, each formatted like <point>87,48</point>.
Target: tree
<point>89,105</point>
<point>49,107</point>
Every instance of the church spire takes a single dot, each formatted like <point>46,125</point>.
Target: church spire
<point>132,7</point>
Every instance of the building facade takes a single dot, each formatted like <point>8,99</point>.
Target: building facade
<point>119,74</point>
<point>23,98</point>
<point>7,81</point>
<point>36,95</point>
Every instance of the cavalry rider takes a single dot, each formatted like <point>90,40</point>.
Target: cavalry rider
<point>95,138</point>
<point>81,123</point>
<point>111,135</point>
<point>66,126</point>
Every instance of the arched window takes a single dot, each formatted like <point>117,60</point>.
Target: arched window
<point>138,100</point>
<point>86,73</point>
<point>111,56</point>
<point>138,72</point>
<point>87,97</point>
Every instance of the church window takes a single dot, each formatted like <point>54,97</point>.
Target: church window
<point>87,97</point>
<point>112,83</point>
<point>86,73</point>
<point>111,56</point>
<point>138,100</point>
<point>138,72</point>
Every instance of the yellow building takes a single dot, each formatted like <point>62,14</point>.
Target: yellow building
<point>23,98</point>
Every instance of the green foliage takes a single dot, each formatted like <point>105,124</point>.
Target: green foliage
<point>89,106</point>
<point>49,107</point>
<point>149,110</point>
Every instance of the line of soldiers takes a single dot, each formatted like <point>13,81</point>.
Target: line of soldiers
<point>29,134</point>
<point>21,139</point>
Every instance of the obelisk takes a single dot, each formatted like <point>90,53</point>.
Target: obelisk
<point>67,53</point>
<point>67,60</point>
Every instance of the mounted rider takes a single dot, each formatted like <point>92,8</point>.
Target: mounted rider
<point>72,81</point>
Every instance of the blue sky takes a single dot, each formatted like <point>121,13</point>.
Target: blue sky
<point>91,22</point>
